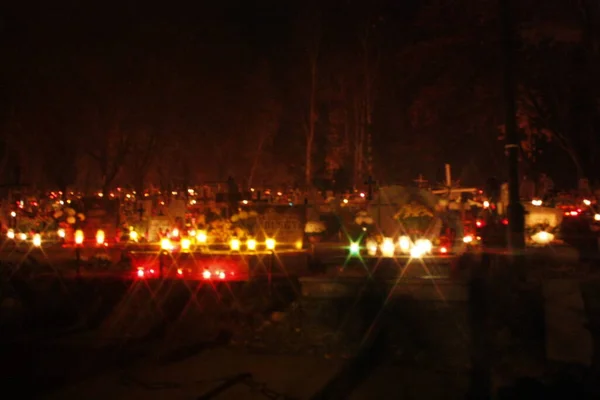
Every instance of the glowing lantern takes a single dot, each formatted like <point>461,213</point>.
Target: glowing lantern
<point>234,244</point>
<point>298,244</point>
<point>22,236</point>
<point>354,249</point>
<point>371,247</point>
<point>61,233</point>
<point>175,233</point>
<point>206,274</point>
<point>201,237</point>
<point>270,243</point>
<point>251,244</point>
<point>185,244</point>
<point>404,244</point>
<point>37,240</point>
<point>425,245</point>
<point>486,204</point>
<point>587,202</point>
<point>79,237</point>
<point>597,217</point>
<point>468,239</point>
<point>166,244</point>
<point>10,234</point>
<point>100,236</point>
<point>221,275</point>
<point>542,237</point>
<point>417,252</point>
<point>388,248</point>
<point>536,202</point>
<point>133,235</point>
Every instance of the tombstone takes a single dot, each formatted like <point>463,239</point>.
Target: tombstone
<point>101,214</point>
<point>177,209</point>
<point>387,202</point>
<point>285,224</point>
<point>156,226</point>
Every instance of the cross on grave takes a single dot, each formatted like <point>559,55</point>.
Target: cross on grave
<point>370,182</point>
<point>420,181</point>
<point>141,210</point>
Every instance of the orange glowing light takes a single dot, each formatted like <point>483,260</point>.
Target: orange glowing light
<point>37,240</point>
<point>100,236</point>
<point>79,236</point>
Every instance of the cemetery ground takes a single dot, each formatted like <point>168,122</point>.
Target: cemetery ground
<point>328,334</point>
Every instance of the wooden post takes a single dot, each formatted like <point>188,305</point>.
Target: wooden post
<point>516,212</point>
<point>78,260</point>
<point>270,274</point>
<point>369,184</point>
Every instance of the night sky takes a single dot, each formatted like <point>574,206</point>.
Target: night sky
<point>198,93</point>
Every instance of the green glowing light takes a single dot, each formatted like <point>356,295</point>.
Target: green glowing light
<point>354,249</point>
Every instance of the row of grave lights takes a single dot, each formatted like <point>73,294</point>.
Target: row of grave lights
<point>36,239</point>
<point>234,244</point>
<point>165,244</point>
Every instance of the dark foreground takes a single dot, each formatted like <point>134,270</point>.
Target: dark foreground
<point>428,338</point>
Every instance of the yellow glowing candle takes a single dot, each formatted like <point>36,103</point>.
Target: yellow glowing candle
<point>79,236</point>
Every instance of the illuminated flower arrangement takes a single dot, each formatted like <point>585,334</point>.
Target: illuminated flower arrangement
<point>314,228</point>
<point>221,230</point>
<point>541,234</point>
<point>40,223</point>
<point>415,217</point>
<point>363,218</point>
<point>244,223</point>
<point>69,216</point>
<point>240,225</point>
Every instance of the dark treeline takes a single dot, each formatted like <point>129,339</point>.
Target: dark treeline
<point>276,92</point>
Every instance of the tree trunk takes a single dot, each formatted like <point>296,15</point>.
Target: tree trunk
<point>256,161</point>
<point>368,113</point>
<point>580,170</point>
<point>368,100</point>
<point>139,185</point>
<point>311,121</point>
